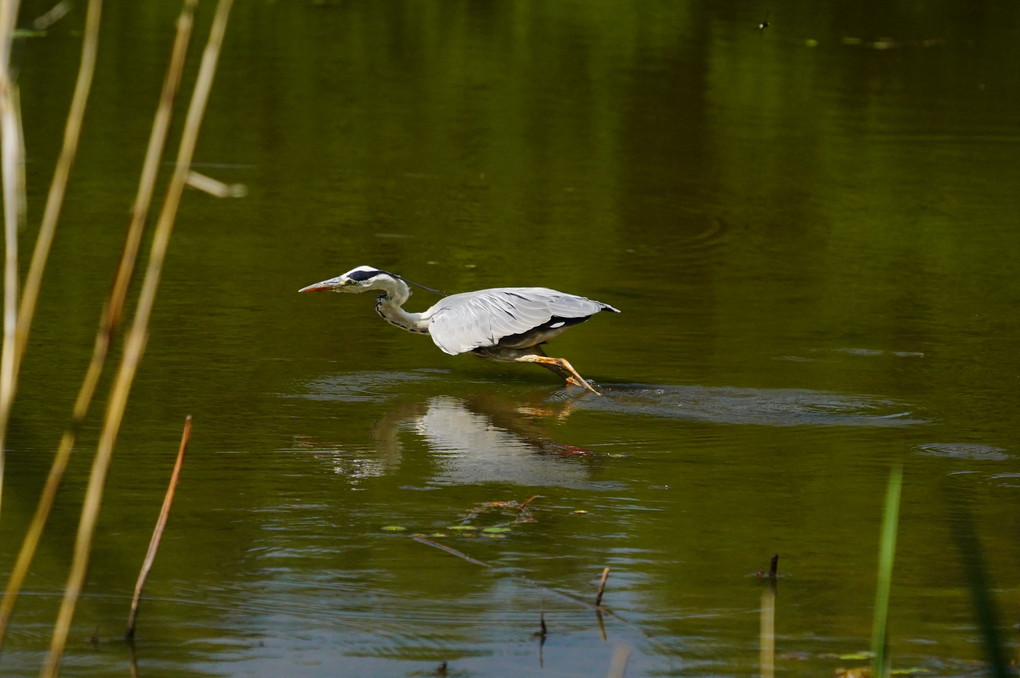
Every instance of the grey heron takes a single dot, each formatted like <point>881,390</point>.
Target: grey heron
<point>507,324</point>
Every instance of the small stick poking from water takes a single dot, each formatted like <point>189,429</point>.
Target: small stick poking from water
<point>602,587</point>
<point>528,501</point>
<point>157,533</point>
<point>773,572</point>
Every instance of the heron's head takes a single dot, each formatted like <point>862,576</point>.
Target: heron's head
<point>360,279</point>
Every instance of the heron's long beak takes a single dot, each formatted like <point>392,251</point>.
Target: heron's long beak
<point>333,284</point>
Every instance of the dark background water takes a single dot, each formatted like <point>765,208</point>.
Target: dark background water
<point>810,232</point>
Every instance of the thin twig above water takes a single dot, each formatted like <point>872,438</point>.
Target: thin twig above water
<point>157,532</point>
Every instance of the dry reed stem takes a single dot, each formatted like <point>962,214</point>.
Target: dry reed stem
<point>11,157</point>
<point>58,187</point>
<point>602,587</point>
<point>11,361</point>
<point>8,20</point>
<point>111,312</point>
<point>157,532</point>
<point>136,339</point>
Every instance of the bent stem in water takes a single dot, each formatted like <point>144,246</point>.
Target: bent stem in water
<point>157,532</point>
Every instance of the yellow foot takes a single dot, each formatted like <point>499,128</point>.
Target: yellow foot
<point>560,366</point>
<point>583,383</point>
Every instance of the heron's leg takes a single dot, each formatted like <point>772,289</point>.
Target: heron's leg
<point>560,366</point>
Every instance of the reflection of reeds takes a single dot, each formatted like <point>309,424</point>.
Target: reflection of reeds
<point>618,666</point>
<point>136,337</point>
<point>985,609</point>
<point>767,631</point>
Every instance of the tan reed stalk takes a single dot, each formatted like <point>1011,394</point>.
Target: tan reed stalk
<point>135,342</point>
<point>54,201</point>
<point>58,187</point>
<point>111,312</point>
<point>11,157</point>
<point>157,533</point>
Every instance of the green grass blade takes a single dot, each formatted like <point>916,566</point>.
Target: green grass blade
<point>886,556</point>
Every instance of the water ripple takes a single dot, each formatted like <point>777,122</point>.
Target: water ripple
<point>763,407</point>
<point>969,451</point>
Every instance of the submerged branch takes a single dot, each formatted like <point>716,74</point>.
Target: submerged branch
<point>449,549</point>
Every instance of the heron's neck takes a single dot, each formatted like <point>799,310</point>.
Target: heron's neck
<point>394,293</point>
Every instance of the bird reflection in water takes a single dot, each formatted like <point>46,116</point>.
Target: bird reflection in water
<point>484,439</point>
<point>478,439</point>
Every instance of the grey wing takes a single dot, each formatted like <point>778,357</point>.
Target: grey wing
<point>464,322</point>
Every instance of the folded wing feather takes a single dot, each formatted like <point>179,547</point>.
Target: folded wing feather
<point>464,322</point>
